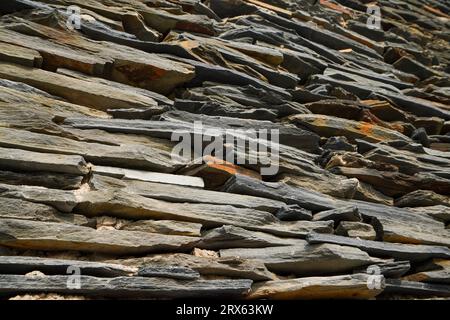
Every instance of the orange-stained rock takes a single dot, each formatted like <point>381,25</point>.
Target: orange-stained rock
<point>216,172</point>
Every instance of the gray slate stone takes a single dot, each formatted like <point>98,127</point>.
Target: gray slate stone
<point>384,249</point>
<point>136,287</point>
<point>23,265</point>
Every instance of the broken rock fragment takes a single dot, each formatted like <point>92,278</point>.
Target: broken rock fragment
<point>337,287</point>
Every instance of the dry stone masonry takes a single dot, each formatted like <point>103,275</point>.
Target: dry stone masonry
<point>354,96</point>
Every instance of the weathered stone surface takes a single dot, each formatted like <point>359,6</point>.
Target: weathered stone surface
<point>409,65</point>
<point>21,160</point>
<point>77,91</point>
<point>183,194</point>
<point>130,206</point>
<point>125,205</point>
<point>279,191</point>
<point>355,229</point>
<point>395,269</point>
<point>213,126</point>
<point>180,273</point>
<point>367,192</point>
<point>408,158</point>
<point>337,287</point>
<point>328,126</point>
<point>149,176</point>
<point>422,198</point>
<point>135,24</point>
<point>205,253</point>
<point>234,237</point>
<point>304,259</point>
<point>384,249</point>
<point>396,226</point>
<point>439,275</point>
<point>62,200</point>
<point>439,212</point>
<point>48,266</point>
<point>321,181</point>
<point>293,212</point>
<point>41,111</point>
<point>119,62</point>
<point>386,111</point>
<point>23,234</point>
<point>137,287</point>
<point>395,286</point>
<point>19,55</point>
<point>432,126</point>
<point>349,213</point>
<point>159,98</point>
<point>208,267</point>
<point>347,109</point>
<point>126,155</point>
<point>338,143</point>
<point>393,183</point>
<point>321,36</point>
<point>215,73</point>
<point>246,55</point>
<point>415,106</point>
<point>169,227</point>
<point>164,21</point>
<point>216,172</point>
<point>245,102</point>
<point>54,54</point>
<point>90,116</point>
<point>45,179</point>
<point>24,210</point>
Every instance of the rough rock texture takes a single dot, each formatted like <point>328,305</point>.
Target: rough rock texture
<point>254,149</point>
<point>19,265</point>
<point>121,287</point>
<point>356,230</point>
<point>337,287</point>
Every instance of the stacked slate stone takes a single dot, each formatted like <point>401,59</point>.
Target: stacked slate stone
<point>91,92</point>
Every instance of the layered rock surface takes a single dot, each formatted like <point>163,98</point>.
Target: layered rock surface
<point>346,195</point>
